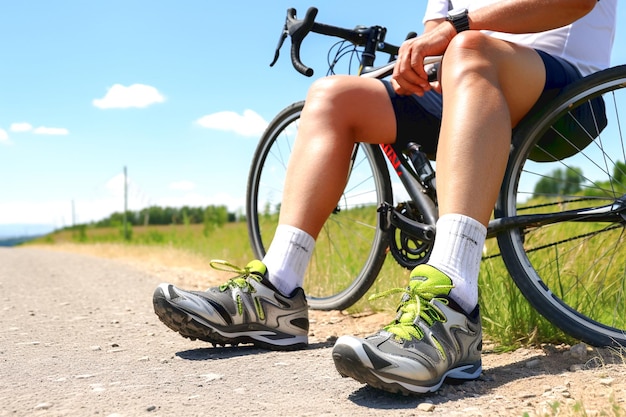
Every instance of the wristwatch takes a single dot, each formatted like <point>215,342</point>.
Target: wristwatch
<point>459,19</point>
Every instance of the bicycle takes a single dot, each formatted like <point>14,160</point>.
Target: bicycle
<point>559,221</point>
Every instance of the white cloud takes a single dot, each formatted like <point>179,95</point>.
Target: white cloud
<point>122,97</point>
<point>4,137</point>
<point>182,185</point>
<point>21,127</point>
<point>248,124</point>
<point>58,131</point>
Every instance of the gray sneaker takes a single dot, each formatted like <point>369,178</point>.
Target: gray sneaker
<point>430,340</point>
<point>247,309</point>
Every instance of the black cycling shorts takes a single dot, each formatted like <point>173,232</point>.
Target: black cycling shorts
<point>418,119</point>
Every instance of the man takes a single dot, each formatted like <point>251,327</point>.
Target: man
<point>500,57</point>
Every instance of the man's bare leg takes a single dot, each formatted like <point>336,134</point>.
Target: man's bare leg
<point>338,112</point>
<point>488,86</point>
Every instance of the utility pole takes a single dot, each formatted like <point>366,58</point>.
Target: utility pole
<point>125,204</point>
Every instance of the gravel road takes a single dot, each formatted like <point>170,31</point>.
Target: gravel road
<point>78,337</point>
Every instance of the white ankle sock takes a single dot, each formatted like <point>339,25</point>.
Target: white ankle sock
<point>457,252</point>
<point>288,257</point>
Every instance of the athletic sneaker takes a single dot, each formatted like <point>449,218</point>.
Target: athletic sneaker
<point>430,340</point>
<point>247,309</point>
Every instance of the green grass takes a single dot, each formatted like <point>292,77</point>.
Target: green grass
<point>229,242</point>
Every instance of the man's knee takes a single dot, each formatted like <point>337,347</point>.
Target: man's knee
<point>469,52</point>
<point>472,40</point>
<point>328,89</point>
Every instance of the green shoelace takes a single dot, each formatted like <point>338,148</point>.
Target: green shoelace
<point>416,303</point>
<point>240,281</point>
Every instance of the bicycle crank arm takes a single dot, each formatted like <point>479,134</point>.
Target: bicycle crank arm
<point>611,213</point>
<point>389,216</point>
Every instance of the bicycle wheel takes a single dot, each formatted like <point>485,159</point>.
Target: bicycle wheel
<point>572,272</point>
<point>351,248</point>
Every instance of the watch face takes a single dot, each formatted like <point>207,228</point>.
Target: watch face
<point>456,13</point>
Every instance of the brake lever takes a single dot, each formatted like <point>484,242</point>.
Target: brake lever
<point>281,40</point>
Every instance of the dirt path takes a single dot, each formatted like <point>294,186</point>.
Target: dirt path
<point>78,337</point>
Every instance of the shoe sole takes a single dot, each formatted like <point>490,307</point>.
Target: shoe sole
<point>187,325</point>
<point>348,364</point>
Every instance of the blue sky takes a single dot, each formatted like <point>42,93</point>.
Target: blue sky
<point>177,92</point>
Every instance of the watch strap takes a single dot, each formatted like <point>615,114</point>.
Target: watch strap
<point>459,20</point>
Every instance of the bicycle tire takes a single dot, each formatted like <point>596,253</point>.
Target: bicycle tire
<point>573,273</point>
<point>351,247</point>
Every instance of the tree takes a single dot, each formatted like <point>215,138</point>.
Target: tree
<point>619,172</point>
<point>214,217</point>
<point>560,182</point>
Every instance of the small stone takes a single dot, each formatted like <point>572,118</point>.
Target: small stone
<point>607,382</point>
<point>43,406</point>
<point>576,367</point>
<point>211,377</point>
<point>96,348</point>
<point>33,343</point>
<point>97,388</point>
<point>579,351</point>
<point>151,408</point>
<point>534,363</point>
<point>427,407</point>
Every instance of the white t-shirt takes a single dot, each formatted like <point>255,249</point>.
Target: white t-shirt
<point>586,43</point>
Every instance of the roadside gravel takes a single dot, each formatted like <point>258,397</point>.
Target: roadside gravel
<point>78,337</point>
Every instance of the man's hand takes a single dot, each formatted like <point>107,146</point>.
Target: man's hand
<point>409,75</point>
